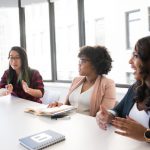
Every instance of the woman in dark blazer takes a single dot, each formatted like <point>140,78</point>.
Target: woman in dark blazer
<point>132,115</point>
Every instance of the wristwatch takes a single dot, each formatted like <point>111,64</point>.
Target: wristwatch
<point>147,135</point>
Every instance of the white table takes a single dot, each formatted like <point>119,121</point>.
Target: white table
<point>82,132</point>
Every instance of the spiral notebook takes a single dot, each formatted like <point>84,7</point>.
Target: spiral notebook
<point>41,140</point>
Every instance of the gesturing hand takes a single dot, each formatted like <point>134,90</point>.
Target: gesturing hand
<point>55,104</point>
<point>25,86</point>
<point>9,88</point>
<point>103,118</point>
<point>129,127</point>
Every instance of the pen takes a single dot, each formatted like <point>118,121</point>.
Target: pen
<point>63,117</point>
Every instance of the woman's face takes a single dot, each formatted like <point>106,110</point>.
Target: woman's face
<point>15,60</point>
<point>135,62</point>
<point>85,66</point>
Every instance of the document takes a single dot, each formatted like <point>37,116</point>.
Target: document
<point>44,110</point>
<point>41,140</point>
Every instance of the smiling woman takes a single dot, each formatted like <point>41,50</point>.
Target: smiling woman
<point>20,80</point>
<point>132,115</point>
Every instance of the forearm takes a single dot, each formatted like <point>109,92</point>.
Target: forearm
<point>34,92</point>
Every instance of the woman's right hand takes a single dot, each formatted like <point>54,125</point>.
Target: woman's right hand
<point>9,88</point>
<point>103,118</point>
<point>54,104</point>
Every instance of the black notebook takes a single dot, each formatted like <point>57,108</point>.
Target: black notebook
<point>41,140</point>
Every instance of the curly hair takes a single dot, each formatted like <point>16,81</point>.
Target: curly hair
<point>142,91</point>
<point>98,56</point>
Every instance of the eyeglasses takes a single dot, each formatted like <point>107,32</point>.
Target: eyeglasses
<point>83,60</point>
<point>14,58</point>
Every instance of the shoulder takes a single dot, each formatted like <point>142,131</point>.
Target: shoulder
<point>6,72</point>
<point>34,72</point>
<point>76,79</point>
<point>107,81</point>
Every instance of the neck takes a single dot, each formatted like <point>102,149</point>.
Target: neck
<point>91,79</point>
<point>17,72</point>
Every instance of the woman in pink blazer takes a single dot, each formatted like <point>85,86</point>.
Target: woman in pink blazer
<point>92,88</point>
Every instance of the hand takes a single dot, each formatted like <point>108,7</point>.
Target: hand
<point>25,86</point>
<point>129,127</point>
<point>54,104</point>
<point>9,88</point>
<point>103,117</point>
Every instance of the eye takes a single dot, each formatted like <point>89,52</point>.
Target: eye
<point>135,55</point>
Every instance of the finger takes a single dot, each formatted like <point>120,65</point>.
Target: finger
<point>59,104</point>
<point>123,133</point>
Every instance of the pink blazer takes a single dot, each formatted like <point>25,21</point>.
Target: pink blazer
<point>104,93</point>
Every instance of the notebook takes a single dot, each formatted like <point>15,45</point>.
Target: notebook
<point>44,110</point>
<point>41,140</point>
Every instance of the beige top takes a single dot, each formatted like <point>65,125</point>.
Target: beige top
<point>104,92</point>
<point>81,100</point>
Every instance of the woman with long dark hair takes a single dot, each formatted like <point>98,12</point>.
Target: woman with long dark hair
<point>20,80</point>
<point>132,115</point>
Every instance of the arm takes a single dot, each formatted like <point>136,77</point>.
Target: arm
<point>124,106</point>
<point>104,117</point>
<point>36,88</point>
<point>31,91</point>
<point>3,81</point>
<point>109,98</point>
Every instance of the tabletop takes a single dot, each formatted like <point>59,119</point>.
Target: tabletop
<point>81,131</point>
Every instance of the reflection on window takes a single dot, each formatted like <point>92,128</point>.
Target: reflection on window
<point>133,26</point>
<point>149,18</point>
<point>9,34</point>
<point>117,26</point>
<point>38,39</point>
<point>67,42</point>
<point>94,22</point>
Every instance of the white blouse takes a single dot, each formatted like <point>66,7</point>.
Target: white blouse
<point>81,100</point>
<point>140,116</point>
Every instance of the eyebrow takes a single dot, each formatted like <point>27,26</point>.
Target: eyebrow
<point>14,55</point>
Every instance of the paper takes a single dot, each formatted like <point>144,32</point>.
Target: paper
<point>44,110</point>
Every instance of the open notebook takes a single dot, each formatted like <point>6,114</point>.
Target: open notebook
<point>41,140</point>
<point>44,110</point>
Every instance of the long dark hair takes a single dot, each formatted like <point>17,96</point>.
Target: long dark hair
<point>142,91</point>
<point>25,70</point>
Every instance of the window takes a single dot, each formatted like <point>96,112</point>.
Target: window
<point>67,40</point>
<point>38,38</point>
<point>149,18</point>
<point>94,22</point>
<point>9,34</point>
<point>133,20</point>
<point>116,26</point>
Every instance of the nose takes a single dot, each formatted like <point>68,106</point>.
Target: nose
<point>131,60</point>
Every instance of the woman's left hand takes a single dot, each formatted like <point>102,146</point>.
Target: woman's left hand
<point>129,127</point>
<point>25,86</point>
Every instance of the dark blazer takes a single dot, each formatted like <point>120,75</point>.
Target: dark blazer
<point>123,108</point>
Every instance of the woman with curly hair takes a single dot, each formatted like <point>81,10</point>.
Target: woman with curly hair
<point>132,115</point>
<point>92,88</point>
